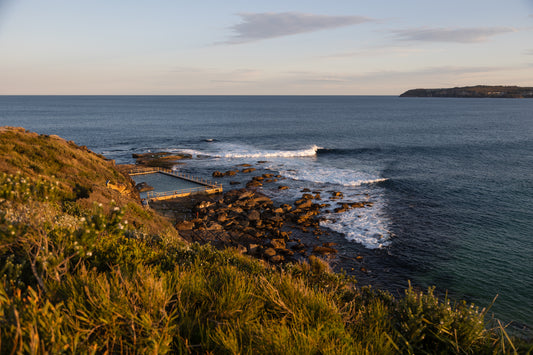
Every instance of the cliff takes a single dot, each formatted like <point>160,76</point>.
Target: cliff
<point>479,91</point>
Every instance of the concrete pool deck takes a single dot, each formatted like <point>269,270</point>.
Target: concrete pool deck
<point>169,184</point>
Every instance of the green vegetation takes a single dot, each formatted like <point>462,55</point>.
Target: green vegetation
<point>478,91</point>
<point>84,269</point>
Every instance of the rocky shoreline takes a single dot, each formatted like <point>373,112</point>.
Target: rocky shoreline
<point>277,233</point>
<point>246,219</point>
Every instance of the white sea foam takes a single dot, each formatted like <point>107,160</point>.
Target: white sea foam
<point>331,175</point>
<point>302,168</point>
<point>226,150</point>
<point>368,226</point>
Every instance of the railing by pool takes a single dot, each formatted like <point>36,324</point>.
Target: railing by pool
<point>182,192</point>
<point>207,185</point>
<point>142,171</point>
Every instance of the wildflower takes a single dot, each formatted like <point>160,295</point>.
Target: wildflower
<point>89,253</point>
<point>116,209</point>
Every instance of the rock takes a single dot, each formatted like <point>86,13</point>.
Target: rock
<point>215,226</point>
<point>284,251</point>
<point>329,244</point>
<point>245,195</point>
<point>222,217</point>
<point>218,174</point>
<point>248,170</point>
<point>286,207</point>
<point>230,173</point>
<point>262,200</point>
<point>269,252</point>
<point>278,243</point>
<point>234,183</point>
<point>336,194</point>
<point>307,196</point>
<point>276,259</point>
<point>254,249</point>
<point>254,215</point>
<point>324,250</point>
<point>304,204</point>
<point>185,225</point>
<point>254,183</point>
<point>241,249</point>
<point>283,187</point>
<point>278,210</point>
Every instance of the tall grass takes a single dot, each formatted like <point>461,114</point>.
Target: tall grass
<point>76,278</point>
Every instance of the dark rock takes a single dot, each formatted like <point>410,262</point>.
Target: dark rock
<point>282,187</point>
<point>303,204</point>
<point>254,215</point>
<point>185,225</point>
<point>278,243</point>
<point>254,183</point>
<point>276,259</point>
<point>254,249</point>
<point>324,250</point>
<point>269,252</point>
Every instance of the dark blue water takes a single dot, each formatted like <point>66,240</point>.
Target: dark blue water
<point>451,179</point>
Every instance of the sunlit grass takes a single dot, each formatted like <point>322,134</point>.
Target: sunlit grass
<point>90,275</point>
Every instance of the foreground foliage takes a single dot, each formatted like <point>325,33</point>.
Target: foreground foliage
<point>79,276</point>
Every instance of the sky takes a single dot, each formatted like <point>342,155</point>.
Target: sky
<point>237,47</point>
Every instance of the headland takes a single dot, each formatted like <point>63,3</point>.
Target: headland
<point>479,91</point>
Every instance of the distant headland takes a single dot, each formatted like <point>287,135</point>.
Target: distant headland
<point>474,92</point>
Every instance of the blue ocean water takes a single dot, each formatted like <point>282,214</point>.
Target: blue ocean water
<point>451,180</point>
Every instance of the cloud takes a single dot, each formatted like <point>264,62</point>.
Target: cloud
<point>529,52</point>
<point>259,26</point>
<point>459,35</point>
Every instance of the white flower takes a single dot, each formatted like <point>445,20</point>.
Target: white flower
<point>89,253</point>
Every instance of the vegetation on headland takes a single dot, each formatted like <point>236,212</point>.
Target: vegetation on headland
<point>85,269</point>
<point>478,91</point>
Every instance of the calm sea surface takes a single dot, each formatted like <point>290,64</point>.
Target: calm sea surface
<point>451,180</point>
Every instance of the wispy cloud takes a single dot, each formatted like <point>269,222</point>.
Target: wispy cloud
<point>459,35</point>
<point>529,52</point>
<point>259,26</point>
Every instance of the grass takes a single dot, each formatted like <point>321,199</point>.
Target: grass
<point>93,272</point>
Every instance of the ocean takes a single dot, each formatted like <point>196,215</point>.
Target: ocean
<point>450,180</point>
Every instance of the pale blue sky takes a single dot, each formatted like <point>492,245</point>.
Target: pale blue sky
<point>262,47</point>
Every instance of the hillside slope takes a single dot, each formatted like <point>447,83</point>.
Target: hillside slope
<point>85,269</point>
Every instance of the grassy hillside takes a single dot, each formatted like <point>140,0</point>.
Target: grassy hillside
<point>85,269</point>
